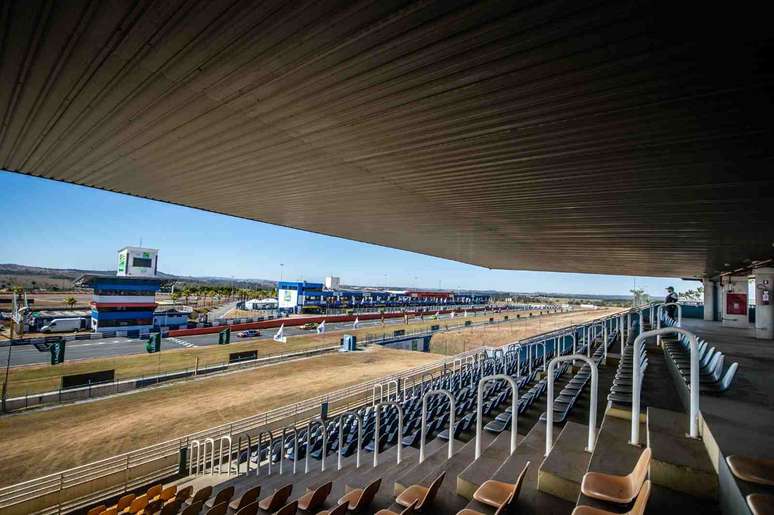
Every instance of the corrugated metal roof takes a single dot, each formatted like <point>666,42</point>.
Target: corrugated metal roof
<point>605,137</point>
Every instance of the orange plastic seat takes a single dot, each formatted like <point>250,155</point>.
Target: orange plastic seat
<point>249,497</point>
<point>617,489</point>
<point>754,470</point>
<point>314,498</point>
<point>201,496</point>
<point>166,494</point>
<point>125,501</point>
<point>97,510</point>
<point>421,495</point>
<point>154,491</point>
<point>407,511</point>
<point>182,495</point>
<point>170,508</point>
<point>138,504</point>
<point>276,500</point>
<point>357,499</point>
<point>499,493</point>
<point>339,509</point>
<point>110,511</point>
<point>761,504</point>
<point>151,508</point>
<point>637,509</point>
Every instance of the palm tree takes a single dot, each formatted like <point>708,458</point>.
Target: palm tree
<point>186,292</point>
<point>70,301</point>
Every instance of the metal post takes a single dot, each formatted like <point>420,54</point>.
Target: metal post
<point>423,431</point>
<point>636,382</point>
<point>480,410</point>
<point>622,331</point>
<point>377,428</point>
<point>592,407</point>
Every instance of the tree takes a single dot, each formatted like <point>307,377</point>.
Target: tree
<point>639,297</point>
<point>174,296</point>
<point>70,301</point>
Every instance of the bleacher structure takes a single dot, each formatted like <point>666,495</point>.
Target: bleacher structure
<point>495,430</point>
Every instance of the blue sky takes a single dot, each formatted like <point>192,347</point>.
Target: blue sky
<point>52,224</point>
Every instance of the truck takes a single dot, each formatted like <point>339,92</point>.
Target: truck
<point>62,325</point>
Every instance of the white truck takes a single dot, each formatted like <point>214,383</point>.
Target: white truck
<point>62,325</point>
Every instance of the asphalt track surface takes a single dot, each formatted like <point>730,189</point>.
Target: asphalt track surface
<point>120,346</point>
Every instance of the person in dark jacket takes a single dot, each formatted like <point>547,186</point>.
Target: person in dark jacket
<point>671,297</point>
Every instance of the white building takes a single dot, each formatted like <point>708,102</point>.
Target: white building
<point>332,283</point>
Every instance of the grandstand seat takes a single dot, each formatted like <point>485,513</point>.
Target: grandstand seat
<point>617,489</point>
<point>407,511</point>
<point>276,500</point>
<point>339,509</point>
<point>152,507</point>
<point>110,511</point>
<point>314,498</point>
<point>97,510</point>
<point>124,502</point>
<point>200,496</point>
<point>753,470</point>
<point>224,496</point>
<point>289,509</point>
<point>139,502</point>
<point>249,497</point>
<point>761,504</point>
<point>359,498</point>
<point>193,508</point>
<point>182,495</point>
<point>637,509</point>
<point>218,509</point>
<point>170,508</point>
<point>420,495</point>
<point>165,494</point>
<point>248,509</point>
<point>153,491</point>
<point>497,493</point>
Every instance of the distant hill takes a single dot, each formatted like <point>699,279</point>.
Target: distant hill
<point>62,278</point>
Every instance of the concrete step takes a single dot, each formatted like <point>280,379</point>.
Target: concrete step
<point>679,463</point>
<point>531,501</point>
<point>485,466</point>
<point>447,500</point>
<point>562,470</point>
<point>415,474</point>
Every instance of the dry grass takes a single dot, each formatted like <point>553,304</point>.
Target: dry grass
<point>502,334</point>
<point>31,379</point>
<point>43,442</point>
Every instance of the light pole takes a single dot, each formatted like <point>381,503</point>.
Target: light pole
<point>282,268</point>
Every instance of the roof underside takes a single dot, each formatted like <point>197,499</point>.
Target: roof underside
<point>603,137</point>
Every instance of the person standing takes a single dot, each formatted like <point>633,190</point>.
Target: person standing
<point>671,298</point>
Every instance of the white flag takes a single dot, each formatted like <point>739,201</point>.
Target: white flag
<point>321,327</point>
<point>437,313</point>
<point>451,315</point>
<point>466,314</point>
<point>280,336</point>
<point>356,323</point>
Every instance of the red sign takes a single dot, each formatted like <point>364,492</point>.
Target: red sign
<point>736,303</point>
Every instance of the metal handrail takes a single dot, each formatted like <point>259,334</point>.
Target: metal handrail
<point>373,394</point>
<point>260,446</point>
<point>359,419</point>
<point>211,441</point>
<point>693,340</point>
<point>550,400</point>
<point>480,410</point>
<point>312,422</point>
<point>397,386</point>
<point>377,428</point>
<point>423,430</point>
<point>194,445</point>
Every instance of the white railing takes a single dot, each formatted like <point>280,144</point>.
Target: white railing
<point>693,430</point>
<point>377,428</point>
<point>423,430</point>
<point>592,407</point>
<point>359,419</point>
<point>480,409</point>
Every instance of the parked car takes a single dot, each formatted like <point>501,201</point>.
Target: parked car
<point>249,333</point>
<point>309,326</point>
<point>62,325</point>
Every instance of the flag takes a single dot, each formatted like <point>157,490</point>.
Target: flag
<point>451,315</point>
<point>466,314</point>
<point>280,336</point>
<point>321,327</point>
<point>356,323</point>
<point>437,313</point>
